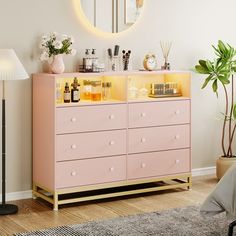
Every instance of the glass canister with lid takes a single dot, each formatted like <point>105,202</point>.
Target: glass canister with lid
<point>96,90</point>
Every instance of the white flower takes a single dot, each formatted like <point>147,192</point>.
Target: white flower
<point>54,44</point>
<point>73,52</point>
<point>53,35</point>
<point>44,56</point>
<point>57,44</point>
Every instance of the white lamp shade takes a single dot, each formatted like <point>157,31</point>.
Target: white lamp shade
<point>10,66</point>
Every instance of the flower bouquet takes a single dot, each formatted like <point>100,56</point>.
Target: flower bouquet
<point>54,46</point>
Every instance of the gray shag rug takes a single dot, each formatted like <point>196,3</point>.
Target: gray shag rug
<point>175,222</point>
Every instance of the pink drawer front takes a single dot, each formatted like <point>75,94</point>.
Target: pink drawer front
<point>87,145</point>
<point>159,113</point>
<point>158,164</point>
<point>159,138</point>
<point>90,118</point>
<point>91,171</point>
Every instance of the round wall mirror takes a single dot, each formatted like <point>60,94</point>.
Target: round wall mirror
<point>112,16</point>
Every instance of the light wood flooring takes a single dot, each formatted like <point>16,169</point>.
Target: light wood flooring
<point>36,214</point>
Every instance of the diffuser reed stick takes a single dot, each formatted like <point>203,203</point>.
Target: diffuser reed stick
<point>165,47</point>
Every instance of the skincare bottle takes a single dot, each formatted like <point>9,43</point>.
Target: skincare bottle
<point>94,61</point>
<point>75,92</point>
<point>67,93</point>
<point>87,61</point>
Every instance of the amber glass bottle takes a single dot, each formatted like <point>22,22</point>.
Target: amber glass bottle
<point>67,93</point>
<point>75,91</point>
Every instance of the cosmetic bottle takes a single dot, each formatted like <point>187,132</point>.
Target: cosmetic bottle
<point>67,93</point>
<point>94,61</point>
<point>75,91</point>
<point>87,61</point>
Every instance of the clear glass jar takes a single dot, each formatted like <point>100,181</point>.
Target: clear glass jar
<point>113,63</point>
<point>106,90</point>
<point>87,87</point>
<point>96,90</point>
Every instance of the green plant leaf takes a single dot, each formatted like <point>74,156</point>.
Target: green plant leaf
<point>201,70</point>
<point>215,86</point>
<point>203,63</point>
<point>209,65</point>
<point>222,47</point>
<point>207,80</point>
<point>224,79</point>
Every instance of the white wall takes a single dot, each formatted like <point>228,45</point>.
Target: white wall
<point>192,26</point>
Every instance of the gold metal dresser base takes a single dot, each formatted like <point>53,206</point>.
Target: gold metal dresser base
<point>109,190</point>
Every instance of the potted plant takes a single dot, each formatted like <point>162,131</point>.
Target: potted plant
<point>220,72</point>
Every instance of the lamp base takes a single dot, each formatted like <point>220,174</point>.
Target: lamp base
<point>8,209</point>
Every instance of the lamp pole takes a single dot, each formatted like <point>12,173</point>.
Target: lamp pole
<point>5,209</point>
<point>10,69</point>
<point>3,145</point>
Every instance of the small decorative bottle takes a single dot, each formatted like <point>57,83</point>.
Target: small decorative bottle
<point>67,93</point>
<point>75,92</point>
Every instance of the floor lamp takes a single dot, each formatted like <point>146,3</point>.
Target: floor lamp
<point>10,69</point>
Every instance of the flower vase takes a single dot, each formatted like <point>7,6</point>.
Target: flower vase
<point>57,65</point>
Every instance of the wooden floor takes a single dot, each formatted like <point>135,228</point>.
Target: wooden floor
<point>35,214</point>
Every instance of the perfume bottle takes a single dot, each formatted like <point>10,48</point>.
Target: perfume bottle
<point>94,61</point>
<point>67,93</point>
<point>75,91</point>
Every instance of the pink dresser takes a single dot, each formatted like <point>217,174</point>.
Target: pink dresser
<point>103,146</point>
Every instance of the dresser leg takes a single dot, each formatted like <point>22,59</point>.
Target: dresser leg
<point>55,204</point>
<point>34,190</point>
<point>189,179</point>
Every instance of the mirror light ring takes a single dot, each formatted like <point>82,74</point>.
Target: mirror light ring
<point>86,23</point>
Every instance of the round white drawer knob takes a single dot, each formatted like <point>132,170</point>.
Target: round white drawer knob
<point>177,112</point>
<point>111,143</point>
<point>143,140</point>
<point>73,173</point>
<point>177,161</point>
<point>111,117</point>
<point>73,120</point>
<point>177,136</point>
<point>143,114</point>
<point>112,169</point>
<point>143,165</point>
<point>73,146</point>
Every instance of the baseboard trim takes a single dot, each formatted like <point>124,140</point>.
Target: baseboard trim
<point>204,171</point>
<point>28,194</point>
<point>18,195</point>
